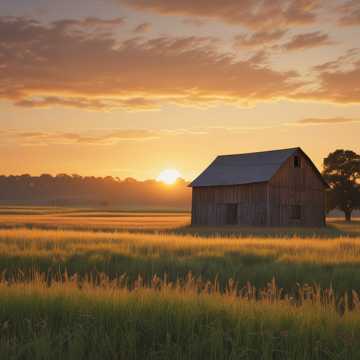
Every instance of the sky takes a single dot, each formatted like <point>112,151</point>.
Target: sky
<point>128,88</point>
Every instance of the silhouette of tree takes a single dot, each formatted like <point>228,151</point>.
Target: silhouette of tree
<point>342,173</point>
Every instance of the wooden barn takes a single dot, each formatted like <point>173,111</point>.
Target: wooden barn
<point>270,188</point>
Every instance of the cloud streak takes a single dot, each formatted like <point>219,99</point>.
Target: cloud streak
<point>94,137</point>
<point>66,138</point>
<point>337,81</point>
<point>103,104</point>
<point>142,28</point>
<point>259,38</point>
<point>349,13</point>
<point>254,14</point>
<point>307,41</point>
<point>327,121</point>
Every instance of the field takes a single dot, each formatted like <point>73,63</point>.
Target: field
<point>95,284</point>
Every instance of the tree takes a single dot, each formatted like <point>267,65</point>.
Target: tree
<point>342,173</point>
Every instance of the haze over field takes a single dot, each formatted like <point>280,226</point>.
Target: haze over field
<point>70,190</point>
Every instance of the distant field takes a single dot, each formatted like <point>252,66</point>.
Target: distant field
<point>50,217</point>
<point>145,285</point>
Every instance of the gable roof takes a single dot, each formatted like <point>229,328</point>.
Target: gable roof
<point>248,168</point>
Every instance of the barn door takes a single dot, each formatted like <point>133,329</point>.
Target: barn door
<point>231,214</point>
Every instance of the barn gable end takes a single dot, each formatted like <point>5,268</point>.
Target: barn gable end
<point>297,186</point>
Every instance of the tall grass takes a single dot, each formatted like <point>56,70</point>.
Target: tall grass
<point>291,260</point>
<point>74,319</point>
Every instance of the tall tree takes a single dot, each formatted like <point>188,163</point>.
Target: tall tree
<point>342,173</point>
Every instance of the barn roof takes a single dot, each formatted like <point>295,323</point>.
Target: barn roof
<point>245,168</point>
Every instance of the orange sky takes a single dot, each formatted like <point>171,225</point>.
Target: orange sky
<point>131,87</point>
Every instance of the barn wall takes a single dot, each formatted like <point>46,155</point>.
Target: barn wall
<point>297,186</point>
<point>209,206</point>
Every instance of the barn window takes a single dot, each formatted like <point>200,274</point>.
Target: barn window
<point>295,212</point>
<point>297,162</point>
<point>231,214</point>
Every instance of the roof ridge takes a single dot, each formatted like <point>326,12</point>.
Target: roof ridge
<point>257,165</point>
<point>259,152</point>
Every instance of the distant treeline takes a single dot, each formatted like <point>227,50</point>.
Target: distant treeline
<point>75,190</point>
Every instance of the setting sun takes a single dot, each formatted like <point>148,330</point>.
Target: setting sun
<point>169,176</point>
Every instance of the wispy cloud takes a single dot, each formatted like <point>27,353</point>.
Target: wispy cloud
<point>307,41</point>
<point>260,38</point>
<point>103,104</point>
<point>142,28</point>
<point>326,121</point>
<point>91,137</point>
<point>336,81</point>
<point>67,138</point>
<point>90,22</point>
<point>254,14</point>
<point>349,13</point>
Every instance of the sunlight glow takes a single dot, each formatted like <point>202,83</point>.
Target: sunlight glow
<point>169,176</point>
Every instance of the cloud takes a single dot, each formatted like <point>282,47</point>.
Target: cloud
<point>349,13</point>
<point>43,65</point>
<point>243,129</point>
<point>336,81</point>
<point>346,61</point>
<point>88,104</point>
<point>142,28</point>
<point>254,14</point>
<point>259,38</point>
<point>55,65</point>
<point>186,132</point>
<point>89,22</point>
<point>66,138</point>
<point>193,22</point>
<point>324,121</point>
<point>308,40</point>
<point>92,137</point>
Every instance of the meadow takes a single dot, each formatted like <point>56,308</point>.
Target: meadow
<point>95,284</point>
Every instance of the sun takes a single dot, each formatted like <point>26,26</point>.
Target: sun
<point>169,176</point>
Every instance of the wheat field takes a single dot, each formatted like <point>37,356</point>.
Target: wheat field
<point>147,286</point>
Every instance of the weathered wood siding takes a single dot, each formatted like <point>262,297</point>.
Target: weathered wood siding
<point>297,186</point>
<point>209,204</point>
<point>265,204</point>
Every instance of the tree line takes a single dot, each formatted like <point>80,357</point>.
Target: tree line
<point>75,190</point>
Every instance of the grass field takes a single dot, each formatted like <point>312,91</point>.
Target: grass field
<point>91,284</point>
<point>90,219</point>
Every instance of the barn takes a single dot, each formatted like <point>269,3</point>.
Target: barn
<point>269,188</point>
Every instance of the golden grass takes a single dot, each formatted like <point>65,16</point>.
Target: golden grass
<point>27,242</point>
<point>85,220</point>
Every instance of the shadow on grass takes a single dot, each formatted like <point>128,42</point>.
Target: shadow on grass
<point>332,230</point>
<point>259,270</point>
